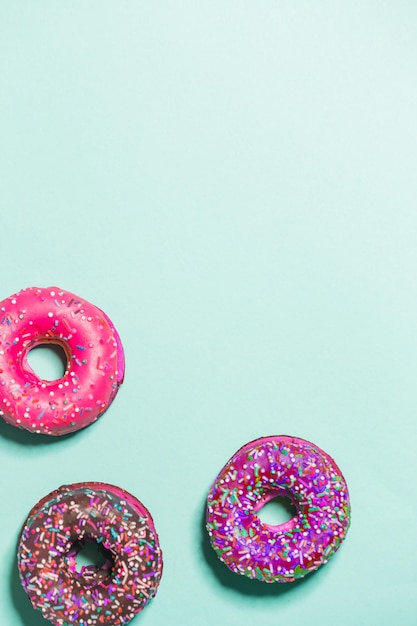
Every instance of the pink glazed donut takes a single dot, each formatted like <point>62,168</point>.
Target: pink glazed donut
<point>260,471</point>
<point>95,361</point>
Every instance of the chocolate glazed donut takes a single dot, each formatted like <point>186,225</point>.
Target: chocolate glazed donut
<point>55,531</point>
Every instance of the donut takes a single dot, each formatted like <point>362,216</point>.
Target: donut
<point>258,472</point>
<point>95,361</point>
<point>52,536</point>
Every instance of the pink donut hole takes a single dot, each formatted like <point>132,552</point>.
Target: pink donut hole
<point>278,503</point>
<point>47,359</point>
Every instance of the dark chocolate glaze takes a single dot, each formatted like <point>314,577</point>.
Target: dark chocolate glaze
<point>55,531</point>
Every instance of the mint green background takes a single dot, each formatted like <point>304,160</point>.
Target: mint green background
<point>234,183</point>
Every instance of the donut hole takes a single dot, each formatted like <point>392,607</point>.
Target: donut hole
<point>277,510</point>
<point>90,557</point>
<point>49,361</point>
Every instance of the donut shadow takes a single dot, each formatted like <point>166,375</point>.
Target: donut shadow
<point>28,615</point>
<point>26,438</point>
<point>239,583</point>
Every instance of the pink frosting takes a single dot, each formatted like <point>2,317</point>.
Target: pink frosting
<point>95,361</point>
<point>279,465</point>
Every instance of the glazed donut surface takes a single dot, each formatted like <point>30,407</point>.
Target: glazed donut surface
<point>95,361</point>
<point>260,471</point>
<point>54,533</point>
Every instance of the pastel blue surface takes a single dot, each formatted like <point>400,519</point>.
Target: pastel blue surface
<point>234,184</point>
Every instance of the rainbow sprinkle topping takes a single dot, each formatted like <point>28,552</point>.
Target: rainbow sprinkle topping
<point>95,361</point>
<point>259,471</point>
<point>95,596</point>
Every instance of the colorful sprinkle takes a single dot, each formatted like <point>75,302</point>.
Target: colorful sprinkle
<point>40,317</point>
<point>261,470</point>
<point>54,533</point>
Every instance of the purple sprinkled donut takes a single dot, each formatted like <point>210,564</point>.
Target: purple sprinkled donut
<point>53,534</point>
<point>260,471</point>
<point>95,361</point>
